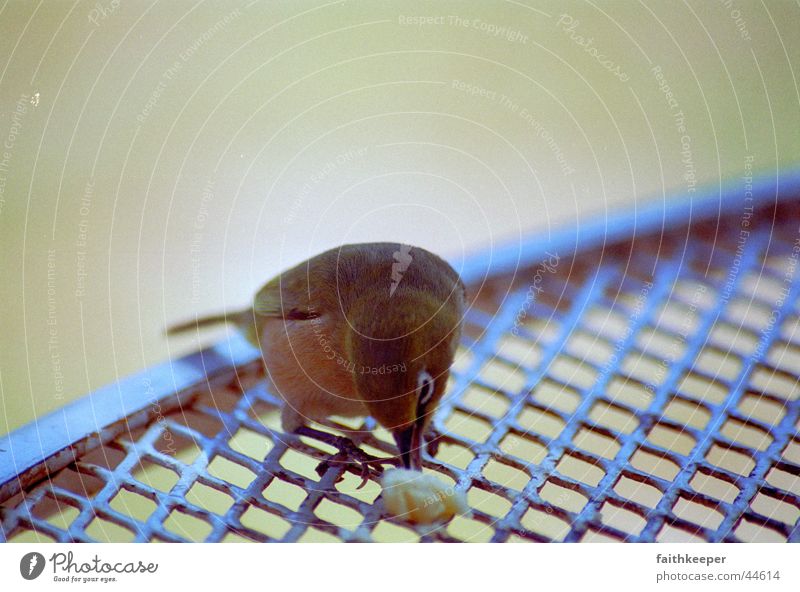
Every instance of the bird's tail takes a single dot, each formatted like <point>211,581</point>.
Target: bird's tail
<point>195,324</point>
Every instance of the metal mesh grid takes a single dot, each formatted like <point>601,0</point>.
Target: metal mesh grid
<point>645,391</point>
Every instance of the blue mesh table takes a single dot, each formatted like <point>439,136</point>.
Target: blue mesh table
<point>631,379</point>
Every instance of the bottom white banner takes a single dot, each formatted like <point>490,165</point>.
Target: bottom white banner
<point>399,567</point>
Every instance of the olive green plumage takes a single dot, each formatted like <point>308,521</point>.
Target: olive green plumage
<point>363,328</point>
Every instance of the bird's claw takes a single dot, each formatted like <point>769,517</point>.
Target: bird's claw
<point>354,460</point>
<point>432,440</point>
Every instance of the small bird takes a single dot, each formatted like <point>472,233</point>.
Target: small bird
<point>363,329</point>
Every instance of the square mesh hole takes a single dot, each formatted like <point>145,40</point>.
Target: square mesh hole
<point>783,480</point>
<point>208,498</point>
<point>563,497</point>
<point>506,475</point>
<point>589,348</point>
<point>470,530</point>
<point>621,519</point>
<point>613,326</point>
<point>762,409</point>
<point>540,421</point>
<point>629,392</point>
<point>702,389</point>
<point>693,293</point>
<point>746,434</point>
<point>553,395</point>
<point>613,417</point>
<point>388,532</point>
<point>719,364</point>
<point>760,287</point>
<point>638,492</point>
<point>374,451</point>
<point>338,514</point>
<point>730,460</point>
<point>155,476</point>
<point>775,384</point>
<point>284,493</point>
<point>596,443</point>
<point>749,314</point>
<point>734,339</point>
<point>697,513</point>
<point>106,531</point>
<point>673,534</point>
<point>485,401</point>
<point>545,524</point>
<point>660,344</point>
<point>687,413</point>
<point>545,329</point>
<point>232,472</point>
<point>502,376</point>
<point>715,487</point>
<point>656,465</point>
<point>467,426</point>
<point>573,372</point>
<point>524,448</point>
<point>187,526</point>
<point>580,470</point>
<point>671,439</point>
<point>250,444</point>
<point>487,502</point>
<point>776,509</point>
<point>752,532</point>
<point>784,356</point>
<point>132,504</point>
<point>454,454</point>
<point>300,463</point>
<point>791,452</point>
<point>676,317</point>
<point>645,369</point>
<point>790,330</point>
<point>520,351</point>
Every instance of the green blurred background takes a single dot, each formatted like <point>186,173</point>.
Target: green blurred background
<point>163,158</point>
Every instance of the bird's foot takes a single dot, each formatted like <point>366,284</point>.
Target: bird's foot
<point>356,461</point>
<point>349,455</point>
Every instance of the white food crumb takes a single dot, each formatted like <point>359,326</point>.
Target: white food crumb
<point>420,498</point>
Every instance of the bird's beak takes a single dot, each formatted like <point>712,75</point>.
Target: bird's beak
<point>409,441</point>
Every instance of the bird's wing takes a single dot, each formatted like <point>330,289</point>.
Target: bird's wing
<point>320,285</point>
<point>330,281</point>
<point>287,296</point>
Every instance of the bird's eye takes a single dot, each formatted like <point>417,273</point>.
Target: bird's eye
<point>425,388</point>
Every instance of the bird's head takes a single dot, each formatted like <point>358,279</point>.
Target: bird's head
<point>403,356</point>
